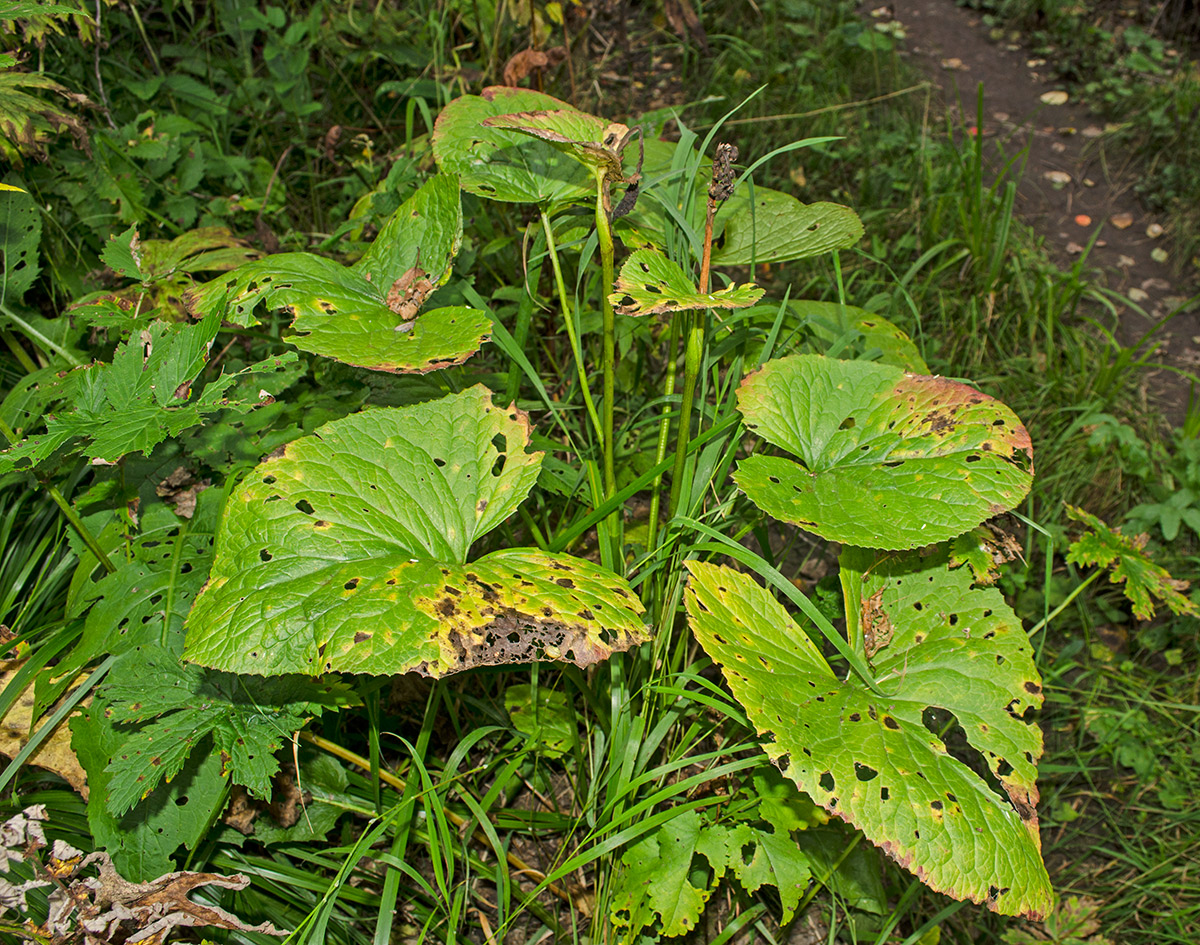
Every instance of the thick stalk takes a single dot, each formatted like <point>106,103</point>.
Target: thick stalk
<point>664,432</point>
<point>569,321</point>
<point>609,362</point>
<point>38,338</point>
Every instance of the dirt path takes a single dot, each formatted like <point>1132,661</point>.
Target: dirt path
<point>954,49</point>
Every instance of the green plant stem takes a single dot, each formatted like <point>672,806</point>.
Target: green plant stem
<point>65,507</point>
<point>1063,606</point>
<point>609,357</point>
<point>18,352</point>
<point>569,321</point>
<point>38,338</point>
<point>692,357</point>
<point>664,432</point>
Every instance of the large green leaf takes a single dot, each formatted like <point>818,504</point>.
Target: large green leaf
<point>886,459</point>
<point>20,234</point>
<point>651,284</point>
<point>871,759</point>
<point>370,314</point>
<point>349,553</point>
<point>502,164</point>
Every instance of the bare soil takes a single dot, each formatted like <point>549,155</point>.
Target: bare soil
<point>954,48</point>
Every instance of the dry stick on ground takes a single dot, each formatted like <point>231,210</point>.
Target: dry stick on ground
<point>392,781</point>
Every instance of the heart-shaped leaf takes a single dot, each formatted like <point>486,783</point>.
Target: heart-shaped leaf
<point>349,553</point>
<point>872,759</point>
<point>886,459</point>
<point>651,284</point>
<point>369,314</point>
<point>591,141</point>
<point>498,164</point>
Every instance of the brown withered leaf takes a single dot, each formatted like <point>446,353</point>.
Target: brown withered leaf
<point>527,61</point>
<point>180,490</point>
<point>876,624</point>
<point>683,19</point>
<point>408,294</point>
<point>54,754</point>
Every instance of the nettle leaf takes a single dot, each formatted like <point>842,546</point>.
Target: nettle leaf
<point>758,858</point>
<point>590,140</point>
<point>655,881</point>
<point>247,723</point>
<point>370,314</point>
<point>1140,578</point>
<point>496,163</point>
<point>873,760</point>
<point>651,284</point>
<point>140,399</point>
<point>123,254</point>
<point>142,840</point>
<point>886,459</point>
<point>348,553</point>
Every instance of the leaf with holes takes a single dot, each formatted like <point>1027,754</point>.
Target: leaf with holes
<point>655,880</point>
<point>651,284</point>
<point>369,314</point>
<point>771,226</point>
<point>348,553</point>
<point>886,459</point>
<point>591,141</point>
<point>1140,578</point>
<point>501,164</point>
<point>956,653</point>
<point>189,704</point>
<point>20,234</point>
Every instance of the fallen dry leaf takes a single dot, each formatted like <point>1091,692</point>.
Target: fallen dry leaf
<point>1058,178</point>
<point>1083,219</point>
<point>1074,249</point>
<point>1000,116</point>
<point>1092,131</point>
<point>954,64</point>
<point>1066,131</point>
<point>1155,230</point>
<point>1058,147</point>
<point>55,752</point>
<point>1088,182</point>
<point>1137,295</point>
<point>1160,285</point>
<point>1125,261</point>
<point>528,61</point>
<point>1056,97</point>
<point>1122,221</point>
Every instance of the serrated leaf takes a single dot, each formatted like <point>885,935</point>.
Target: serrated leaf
<point>886,459</point>
<point>20,234</point>
<point>142,841</point>
<point>773,859</point>
<point>349,553</point>
<point>189,704</point>
<point>545,719</point>
<point>497,163</point>
<point>983,550</point>
<point>370,314</point>
<point>655,880</point>
<point>651,284</point>
<point>870,759</point>
<point>140,399</point>
<point>1140,578</point>
<point>123,254</point>
<point>591,141</point>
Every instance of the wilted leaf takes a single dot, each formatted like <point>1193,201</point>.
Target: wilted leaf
<point>886,459</point>
<point>349,553</point>
<point>591,141</point>
<point>1055,97</point>
<point>527,61</point>
<point>368,314</point>
<point>1140,578</point>
<point>651,284</point>
<point>20,234</point>
<point>871,759</point>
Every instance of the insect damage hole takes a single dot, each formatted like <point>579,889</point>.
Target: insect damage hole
<point>500,441</point>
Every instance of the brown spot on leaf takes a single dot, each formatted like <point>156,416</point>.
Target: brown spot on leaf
<point>361,637</point>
